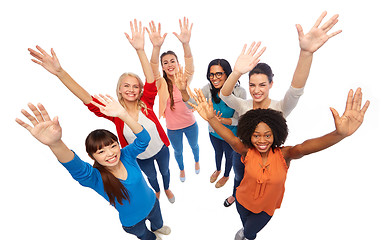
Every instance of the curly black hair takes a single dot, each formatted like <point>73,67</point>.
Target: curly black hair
<point>274,119</point>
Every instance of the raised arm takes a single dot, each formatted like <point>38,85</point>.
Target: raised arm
<point>137,40</point>
<point>113,108</point>
<point>157,41</point>
<point>346,125</point>
<point>185,37</point>
<point>47,131</point>
<point>310,43</point>
<point>52,65</point>
<point>206,111</point>
<point>244,63</point>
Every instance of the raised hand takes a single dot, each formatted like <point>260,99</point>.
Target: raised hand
<point>203,107</point>
<point>248,59</point>
<point>137,39</point>
<point>155,34</point>
<point>353,115</point>
<point>317,35</point>
<point>44,129</point>
<point>179,80</point>
<point>47,61</point>
<point>109,106</point>
<point>185,31</point>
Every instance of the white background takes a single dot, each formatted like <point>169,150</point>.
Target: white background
<point>339,193</point>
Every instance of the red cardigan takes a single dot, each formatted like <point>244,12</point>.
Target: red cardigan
<point>148,96</point>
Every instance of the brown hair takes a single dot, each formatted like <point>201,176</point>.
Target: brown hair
<point>96,140</point>
<point>169,82</point>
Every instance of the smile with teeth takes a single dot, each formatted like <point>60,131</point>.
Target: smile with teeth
<point>262,146</point>
<point>112,160</point>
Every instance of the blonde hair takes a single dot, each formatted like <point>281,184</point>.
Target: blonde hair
<point>140,103</point>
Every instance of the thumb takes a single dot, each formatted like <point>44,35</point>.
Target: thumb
<point>336,116</point>
<point>299,30</point>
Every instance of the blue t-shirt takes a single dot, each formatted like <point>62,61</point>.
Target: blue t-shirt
<point>142,197</point>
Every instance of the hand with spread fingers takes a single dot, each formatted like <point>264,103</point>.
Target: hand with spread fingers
<point>44,129</point>
<point>203,107</point>
<point>155,34</point>
<point>353,115</point>
<point>47,61</point>
<point>185,31</point>
<point>248,58</point>
<point>137,39</point>
<point>318,35</point>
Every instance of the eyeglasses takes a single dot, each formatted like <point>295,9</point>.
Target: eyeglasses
<point>217,75</point>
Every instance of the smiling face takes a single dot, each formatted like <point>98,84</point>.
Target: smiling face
<point>262,138</point>
<point>259,87</point>
<point>129,88</point>
<point>169,64</point>
<point>108,156</point>
<point>217,76</point>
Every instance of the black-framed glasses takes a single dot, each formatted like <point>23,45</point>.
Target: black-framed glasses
<point>217,75</point>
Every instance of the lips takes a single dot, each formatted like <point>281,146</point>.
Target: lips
<point>112,160</point>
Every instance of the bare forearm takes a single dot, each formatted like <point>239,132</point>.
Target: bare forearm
<point>302,70</point>
<point>231,81</point>
<point>129,121</point>
<point>74,87</point>
<point>315,145</point>
<point>184,95</point>
<point>62,152</point>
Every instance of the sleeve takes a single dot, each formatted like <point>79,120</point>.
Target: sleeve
<point>96,110</point>
<point>149,94</point>
<point>138,146</point>
<point>290,100</point>
<point>189,69</point>
<point>241,93</point>
<point>233,102</point>
<point>83,172</point>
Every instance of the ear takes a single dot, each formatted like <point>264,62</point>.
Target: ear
<point>271,84</point>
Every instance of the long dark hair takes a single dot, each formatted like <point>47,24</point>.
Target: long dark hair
<point>96,140</point>
<point>226,68</point>
<point>169,82</point>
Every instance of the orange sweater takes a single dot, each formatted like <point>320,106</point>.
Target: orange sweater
<point>262,187</point>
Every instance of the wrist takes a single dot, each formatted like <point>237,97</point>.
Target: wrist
<point>60,73</point>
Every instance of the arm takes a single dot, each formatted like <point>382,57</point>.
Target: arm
<point>310,43</point>
<point>52,65</point>
<point>113,108</point>
<point>157,40</point>
<point>244,63</point>
<point>206,111</point>
<point>346,125</point>
<point>184,38</point>
<point>138,41</point>
<point>47,131</point>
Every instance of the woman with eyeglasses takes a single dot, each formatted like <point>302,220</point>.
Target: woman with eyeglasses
<point>179,119</point>
<point>218,71</point>
<point>261,79</point>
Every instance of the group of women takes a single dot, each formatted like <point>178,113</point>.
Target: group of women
<point>249,133</point>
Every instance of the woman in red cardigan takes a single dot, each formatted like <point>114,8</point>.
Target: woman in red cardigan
<point>136,98</point>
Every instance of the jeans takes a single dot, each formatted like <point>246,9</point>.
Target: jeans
<point>238,168</point>
<point>147,166</point>
<point>176,138</point>
<point>252,222</point>
<point>220,147</point>
<point>156,222</point>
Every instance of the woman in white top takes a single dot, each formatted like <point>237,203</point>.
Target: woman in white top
<point>261,78</point>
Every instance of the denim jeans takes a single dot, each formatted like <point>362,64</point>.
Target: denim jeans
<point>147,166</point>
<point>222,147</point>
<point>238,168</point>
<point>176,138</point>
<point>156,222</point>
<point>252,222</point>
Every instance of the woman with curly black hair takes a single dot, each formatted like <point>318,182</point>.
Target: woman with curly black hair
<point>264,161</point>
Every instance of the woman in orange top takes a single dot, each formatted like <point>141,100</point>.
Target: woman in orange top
<point>261,133</point>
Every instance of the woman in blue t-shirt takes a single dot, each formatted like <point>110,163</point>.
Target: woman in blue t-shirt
<point>115,174</point>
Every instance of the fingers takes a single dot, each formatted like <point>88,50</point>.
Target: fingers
<point>357,100</point>
<point>23,124</point>
<point>44,113</point>
<point>37,113</point>
<point>365,107</point>
<point>319,20</point>
<point>348,106</point>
